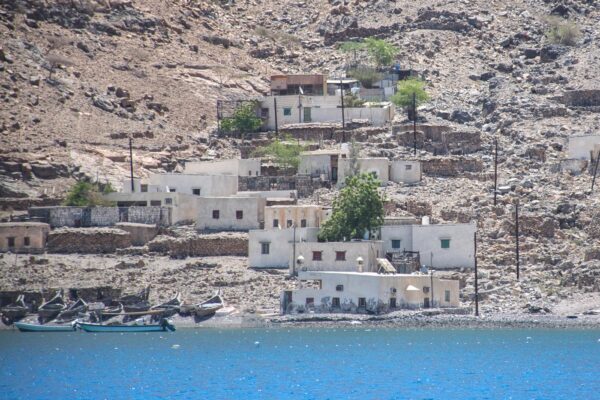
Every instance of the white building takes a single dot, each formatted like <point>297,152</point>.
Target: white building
<point>295,109</point>
<point>272,248</point>
<point>236,167</point>
<point>183,206</point>
<point>405,171</point>
<point>230,213</point>
<point>337,256</point>
<point>581,146</point>
<point>300,216</point>
<point>194,184</point>
<point>321,163</point>
<point>369,292</point>
<point>440,246</point>
<point>379,167</point>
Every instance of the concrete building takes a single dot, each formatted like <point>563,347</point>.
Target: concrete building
<point>322,164</point>
<point>23,237</point>
<point>337,256</point>
<point>369,292</point>
<point>272,248</point>
<point>303,216</point>
<point>193,184</point>
<point>297,109</point>
<point>378,167</point>
<point>405,171</point>
<point>315,84</point>
<point>440,246</point>
<point>230,213</point>
<point>582,147</point>
<point>235,167</point>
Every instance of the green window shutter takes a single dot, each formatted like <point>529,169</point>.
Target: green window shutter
<point>445,243</point>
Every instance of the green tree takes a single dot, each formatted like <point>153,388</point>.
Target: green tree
<point>244,120</point>
<point>84,194</point>
<point>381,52</point>
<point>358,209</point>
<point>562,32</point>
<point>407,89</point>
<point>366,76</point>
<point>285,152</point>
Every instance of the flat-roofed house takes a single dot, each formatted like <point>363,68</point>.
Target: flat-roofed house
<point>234,213</point>
<point>23,237</point>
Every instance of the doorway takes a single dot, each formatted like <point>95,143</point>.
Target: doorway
<point>426,302</point>
<point>307,114</point>
<point>393,302</point>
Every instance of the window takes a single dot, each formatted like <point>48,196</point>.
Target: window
<point>216,214</point>
<point>265,247</point>
<point>317,256</point>
<point>287,111</point>
<point>11,241</point>
<point>144,188</point>
<point>168,201</point>
<point>340,256</point>
<point>425,289</point>
<point>303,223</point>
<point>289,223</point>
<point>395,244</point>
<point>335,302</point>
<point>310,301</point>
<point>275,223</point>
<point>249,173</point>
<point>408,167</point>
<point>445,243</point>
<point>172,190</point>
<point>196,192</point>
<point>26,241</point>
<point>339,288</point>
<point>447,296</point>
<point>392,302</point>
<point>155,203</point>
<point>362,302</point>
<point>239,214</point>
<point>264,112</point>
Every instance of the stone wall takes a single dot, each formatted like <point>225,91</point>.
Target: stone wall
<point>582,98</point>
<point>87,240</point>
<point>451,167</point>
<point>100,216</point>
<point>140,233</point>
<point>304,184</point>
<point>210,245</point>
<point>438,139</point>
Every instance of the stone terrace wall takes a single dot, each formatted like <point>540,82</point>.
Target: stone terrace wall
<point>304,184</point>
<point>438,139</point>
<point>582,98</point>
<point>451,167</point>
<point>87,240</point>
<point>210,245</point>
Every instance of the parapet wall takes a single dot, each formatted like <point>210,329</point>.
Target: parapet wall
<point>100,216</point>
<point>303,184</point>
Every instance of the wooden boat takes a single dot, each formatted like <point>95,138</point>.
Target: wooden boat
<point>14,311</point>
<point>168,308</point>
<point>204,309</point>
<point>29,327</point>
<point>136,302</point>
<point>52,308</point>
<point>73,311</point>
<point>163,326</point>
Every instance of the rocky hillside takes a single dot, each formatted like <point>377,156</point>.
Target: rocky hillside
<point>78,77</point>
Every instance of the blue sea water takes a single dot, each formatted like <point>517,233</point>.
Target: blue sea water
<point>337,363</point>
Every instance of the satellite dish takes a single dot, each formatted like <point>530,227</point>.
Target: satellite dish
<point>301,91</point>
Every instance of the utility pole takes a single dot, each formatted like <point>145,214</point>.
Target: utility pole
<point>432,297</point>
<point>495,170</point>
<point>517,234</point>
<point>131,163</point>
<point>218,117</point>
<point>343,116</point>
<point>294,252</point>
<point>414,110</point>
<point>595,169</point>
<point>275,113</point>
<point>476,282</point>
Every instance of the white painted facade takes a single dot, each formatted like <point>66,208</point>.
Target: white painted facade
<point>404,171</point>
<point>379,167</point>
<point>193,184</point>
<point>270,194</point>
<point>302,216</point>
<point>440,246</point>
<point>316,163</point>
<point>337,256</point>
<point>581,146</point>
<point>295,109</point>
<point>183,206</point>
<point>237,167</point>
<point>369,292</point>
<point>271,248</point>
<point>230,213</point>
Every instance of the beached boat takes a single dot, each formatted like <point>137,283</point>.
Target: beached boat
<point>29,327</point>
<point>168,308</point>
<point>136,302</point>
<point>163,326</point>
<point>204,309</point>
<point>52,308</point>
<point>14,311</point>
<point>73,311</point>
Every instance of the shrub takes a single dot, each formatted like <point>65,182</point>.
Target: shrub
<point>366,76</point>
<point>381,52</point>
<point>562,32</point>
<point>84,194</point>
<point>285,152</point>
<point>244,120</point>
<point>406,89</point>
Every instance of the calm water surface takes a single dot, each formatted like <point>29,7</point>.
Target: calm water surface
<point>349,363</point>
